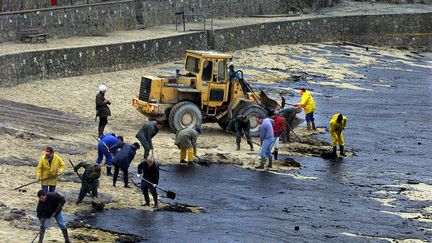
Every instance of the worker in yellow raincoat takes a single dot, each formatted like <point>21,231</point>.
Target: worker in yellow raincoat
<point>49,168</point>
<point>337,125</point>
<point>308,105</point>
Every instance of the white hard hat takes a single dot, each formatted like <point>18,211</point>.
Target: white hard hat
<point>102,88</point>
<point>230,64</point>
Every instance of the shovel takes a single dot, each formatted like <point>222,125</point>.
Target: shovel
<point>170,194</point>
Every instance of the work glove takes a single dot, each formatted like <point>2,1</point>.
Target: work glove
<point>139,175</point>
<point>154,185</point>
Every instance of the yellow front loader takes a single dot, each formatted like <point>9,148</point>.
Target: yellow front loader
<point>203,93</point>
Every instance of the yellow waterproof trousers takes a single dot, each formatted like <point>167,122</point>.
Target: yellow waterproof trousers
<point>189,152</point>
<point>337,139</point>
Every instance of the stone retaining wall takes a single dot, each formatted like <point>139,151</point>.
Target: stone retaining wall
<point>20,5</point>
<point>156,12</point>
<point>24,67</point>
<point>92,19</point>
<point>393,29</point>
<point>95,17</point>
<point>390,29</point>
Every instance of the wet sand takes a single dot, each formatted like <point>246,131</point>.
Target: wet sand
<point>338,82</point>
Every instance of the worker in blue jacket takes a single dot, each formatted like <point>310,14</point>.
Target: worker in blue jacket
<point>104,149</point>
<point>122,160</point>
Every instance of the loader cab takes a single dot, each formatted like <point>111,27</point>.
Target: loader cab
<point>214,71</point>
<point>192,66</point>
<point>206,66</point>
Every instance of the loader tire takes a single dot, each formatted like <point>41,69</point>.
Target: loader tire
<point>252,112</point>
<point>184,114</point>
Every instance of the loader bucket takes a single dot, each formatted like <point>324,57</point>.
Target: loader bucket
<point>267,103</point>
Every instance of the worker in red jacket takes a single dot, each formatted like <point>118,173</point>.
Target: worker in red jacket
<point>279,128</point>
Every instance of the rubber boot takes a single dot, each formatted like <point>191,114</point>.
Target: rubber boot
<point>109,171</point>
<point>334,152</point>
<point>238,146</point>
<point>275,153</point>
<point>261,166</point>
<point>270,162</point>
<point>41,236</point>
<point>65,235</point>
<point>251,147</point>
<point>309,126</point>
<point>341,148</point>
<point>100,130</point>
<point>313,125</point>
<point>288,136</point>
<point>183,161</point>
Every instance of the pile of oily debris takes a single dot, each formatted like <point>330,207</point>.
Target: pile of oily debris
<point>181,208</point>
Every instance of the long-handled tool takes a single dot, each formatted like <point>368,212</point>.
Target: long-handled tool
<point>106,146</point>
<point>96,203</point>
<point>199,158</point>
<point>131,177</point>
<point>259,145</point>
<point>244,138</point>
<point>42,225</point>
<point>96,138</point>
<point>170,194</point>
<point>256,156</point>
<point>73,167</point>
<point>35,182</point>
<point>35,236</point>
<point>271,147</point>
<point>292,130</point>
